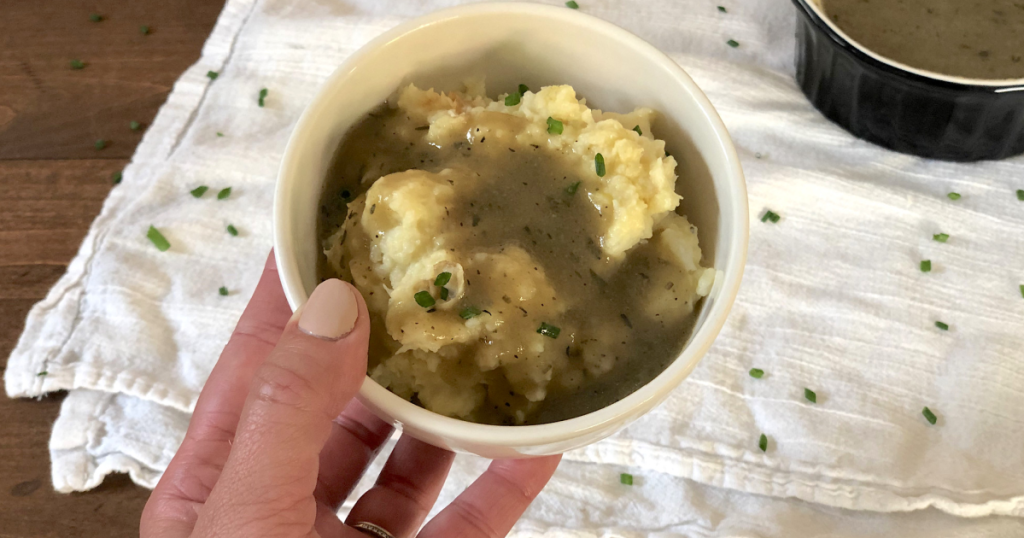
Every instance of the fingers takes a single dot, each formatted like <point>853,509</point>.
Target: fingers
<point>406,489</point>
<point>170,511</point>
<point>495,501</point>
<point>318,365</point>
<point>356,438</point>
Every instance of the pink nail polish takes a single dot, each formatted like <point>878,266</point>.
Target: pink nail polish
<point>331,311</point>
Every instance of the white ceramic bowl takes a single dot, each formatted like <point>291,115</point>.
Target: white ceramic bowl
<point>536,45</point>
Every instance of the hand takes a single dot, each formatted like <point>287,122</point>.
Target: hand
<point>277,441</point>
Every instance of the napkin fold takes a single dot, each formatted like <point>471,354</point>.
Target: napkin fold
<point>833,299</point>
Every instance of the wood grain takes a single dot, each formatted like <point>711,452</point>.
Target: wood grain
<point>53,182</point>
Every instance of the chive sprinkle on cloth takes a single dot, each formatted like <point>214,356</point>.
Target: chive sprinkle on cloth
<point>833,299</point>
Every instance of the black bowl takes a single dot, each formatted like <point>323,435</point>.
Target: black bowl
<point>935,116</point>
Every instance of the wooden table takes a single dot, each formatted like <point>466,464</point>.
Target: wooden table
<point>53,182</point>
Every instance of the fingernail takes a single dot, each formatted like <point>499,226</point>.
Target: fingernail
<point>331,311</point>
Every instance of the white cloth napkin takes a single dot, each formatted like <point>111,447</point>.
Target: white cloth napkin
<point>833,299</point>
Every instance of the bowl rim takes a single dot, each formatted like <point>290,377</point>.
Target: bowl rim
<point>813,10</point>
<point>468,433</point>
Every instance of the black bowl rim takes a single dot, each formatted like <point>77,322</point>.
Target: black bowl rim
<point>861,54</point>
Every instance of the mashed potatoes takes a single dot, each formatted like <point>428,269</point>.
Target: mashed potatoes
<point>507,264</point>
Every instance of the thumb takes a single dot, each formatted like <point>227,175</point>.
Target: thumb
<point>315,370</point>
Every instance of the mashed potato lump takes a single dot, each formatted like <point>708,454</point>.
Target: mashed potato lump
<point>520,257</point>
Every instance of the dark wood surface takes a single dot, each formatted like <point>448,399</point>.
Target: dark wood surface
<point>52,184</point>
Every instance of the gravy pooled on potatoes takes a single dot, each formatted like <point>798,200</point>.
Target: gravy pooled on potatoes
<point>512,275</point>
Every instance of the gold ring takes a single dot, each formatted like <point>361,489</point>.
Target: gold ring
<point>373,530</point>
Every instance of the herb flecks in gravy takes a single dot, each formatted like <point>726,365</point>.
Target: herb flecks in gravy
<point>981,39</point>
<point>498,270</point>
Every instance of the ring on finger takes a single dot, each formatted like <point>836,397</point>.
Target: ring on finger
<point>373,530</point>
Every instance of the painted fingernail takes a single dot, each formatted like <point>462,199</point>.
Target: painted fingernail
<point>331,311</point>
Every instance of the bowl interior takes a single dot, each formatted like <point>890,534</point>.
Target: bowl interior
<point>511,44</point>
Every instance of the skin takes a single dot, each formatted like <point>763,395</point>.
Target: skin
<point>277,442</point>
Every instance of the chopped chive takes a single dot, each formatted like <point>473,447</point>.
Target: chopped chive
<point>442,278</point>
<point>954,196</point>
<point>77,64</point>
<point>212,75</point>
<point>722,9</point>
<point>224,193</point>
<point>223,291</point>
<point>134,125</point>
<point>770,215</point>
<point>942,325</point>
<point>199,191</point>
<point>43,373</point>
<point>926,266</point>
<point>571,4</point>
<point>638,130</point>
<point>1022,290</point>
<point>810,395</point>
<point>599,164</point>
<point>733,43</point>
<point>512,99</point>
<point>523,88</point>
<point>116,178</point>
<point>626,479</point>
<point>144,30</point>
<point>571,189</point>
<point>444,294</point>
<point>549,330</point>
<point>756,373</point>
<point>220,133</point>
<point>1020,194</point>
<point>763,443</point>
<point>158,239</point>
<point>470,312</point>
<point>424,299</point>
<point>554,126</point>
<point>95,17</point>
<point>232,230</point>
<point>941,238</point>
<point>263,96</point>
<point>100,144</point>
<point>929,416</point>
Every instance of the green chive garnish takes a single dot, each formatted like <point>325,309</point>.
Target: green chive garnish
<point>638,131</point>
<point>512,99</point>
<point>722,9</point>
<point>100,144</point>
<point>763,443</point>
<point>232,230</point>
<point>571,189</point>
<point>212,75</point>
<point>77,64</point>
<point>144,29</point>
<point>220,133</point>
<point>571,4</point>
<point>198,192</point>
<point>523,88</point>
<point>549,330</point>
<point>134,125</point>
<point>929,416</point>
<point>442,278</point>
<point>223,290</point>
<point>554,126</point>
<point>599,164</point>
<point>43,373</point>
<point>1022,290</point>
<point>941,238</point>
<point>470,312</point>
<point>770,215</point>
<point>224,193</point>
<point>95,17</point>
<point>810,395</point>
<point>444,294</point>
<point>263,96</point>
<point>424,299</point>
<point>954,196</point>
<point>756,373</point>
<point>158,239</point>
<point>733,43</point>
<point>1020,194</point>
<point>626,479</point>
<point>942,325</point>
<point>926,266</point>
<point>116,178</point>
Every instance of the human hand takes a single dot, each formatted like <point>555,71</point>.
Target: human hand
<point>277,442</point>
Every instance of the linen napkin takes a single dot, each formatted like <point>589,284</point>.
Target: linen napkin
<point>833,299</point>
